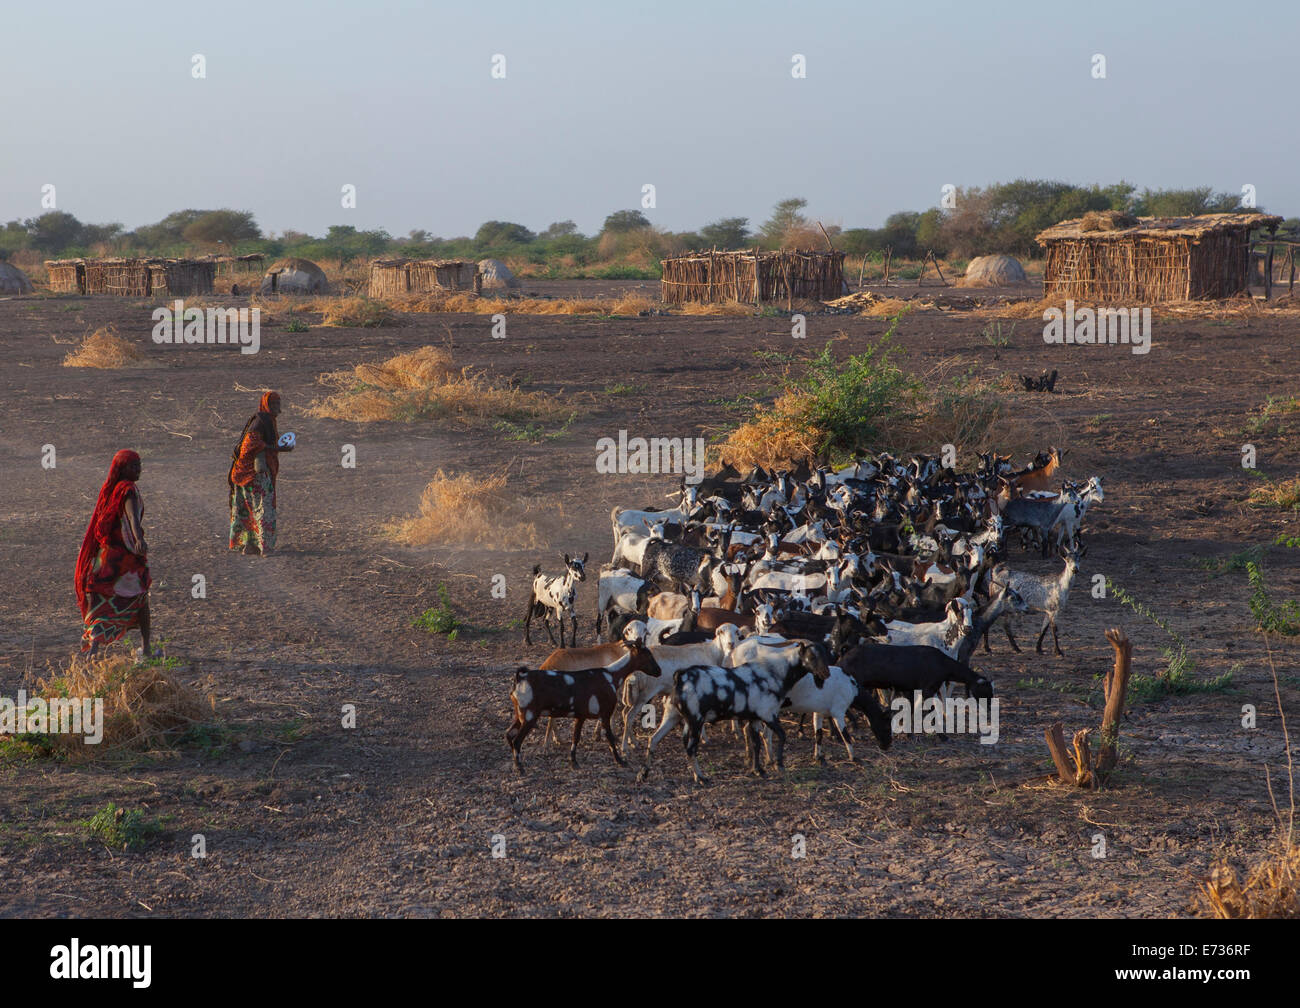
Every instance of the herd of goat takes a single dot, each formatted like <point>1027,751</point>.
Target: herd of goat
<point>802,592</point>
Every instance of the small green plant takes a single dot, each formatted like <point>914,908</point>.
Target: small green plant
<point>1175,679</point>
<point>1237,561</point>
<point>995,337</point>
<point>1272,412</point>
<point>532,432</point>
<point>296,325</point>
<point>1271,617</point>
<point>121,828</point>
<point>621,388</point>
<point>440,619</point>
<point>856,400</point>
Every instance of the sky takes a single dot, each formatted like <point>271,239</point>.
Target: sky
<point>598,100</point>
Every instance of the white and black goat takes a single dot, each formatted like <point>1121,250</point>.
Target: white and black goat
<point>556,595</point>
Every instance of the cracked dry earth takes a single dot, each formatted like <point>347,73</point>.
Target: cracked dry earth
<point>396,816</point>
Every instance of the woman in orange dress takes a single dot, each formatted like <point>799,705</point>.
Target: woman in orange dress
<point>254,465</point>
<point>112,577</point>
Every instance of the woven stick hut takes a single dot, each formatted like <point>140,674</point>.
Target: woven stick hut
<point>752,277</point>
<point>132,277</point>
<point>422,276</point>
<point>1110,259</point>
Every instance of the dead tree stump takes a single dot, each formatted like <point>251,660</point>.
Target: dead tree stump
<point>1076,765</point>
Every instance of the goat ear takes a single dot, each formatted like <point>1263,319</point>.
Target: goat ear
<point>566,559</point>
<point>584,557</point>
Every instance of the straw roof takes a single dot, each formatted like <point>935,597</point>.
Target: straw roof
<point>13,280</point>
<point>1158,227</point>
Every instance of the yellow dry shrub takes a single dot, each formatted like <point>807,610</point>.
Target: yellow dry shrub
<point>463,510</point>
<point>105,349</point>
<point>145,706</point>
<point>425,384</point>
<point>1269,889</point>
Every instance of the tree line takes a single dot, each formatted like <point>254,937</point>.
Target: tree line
<point>1003,217</point>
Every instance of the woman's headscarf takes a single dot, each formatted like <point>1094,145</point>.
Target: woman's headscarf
<point>108,509</point>
<point>263,422</point>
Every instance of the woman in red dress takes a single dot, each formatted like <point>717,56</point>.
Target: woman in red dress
<point>112,578</point>
<point>254,466</point>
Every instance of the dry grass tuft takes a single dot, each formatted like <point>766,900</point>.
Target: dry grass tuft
<point>467,511</point>
<point>354,312</point>
<point>1284,495</point>
<point>425,384</point>
<point>975,414</point>
<point>145,706</point>
<point>105,349</point>
<point>462,301</point>
<point>1107,220</point>
<point>734,309</point>
<point>1270,889</point>
<point>778,436</point>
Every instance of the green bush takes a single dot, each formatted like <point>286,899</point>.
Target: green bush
<point>854,401</point>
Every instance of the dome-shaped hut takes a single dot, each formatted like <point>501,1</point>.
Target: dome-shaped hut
<point>994,271</point>
<point>496,275</point>
<point>295,276</point>
<point>13,280</point>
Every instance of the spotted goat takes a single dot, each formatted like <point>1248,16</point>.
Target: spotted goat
<point>556,596</point>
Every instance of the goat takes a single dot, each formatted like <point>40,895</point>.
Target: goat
<point>640,690</point>
<point>581,694</point>
<point>671,606</point>
<point>575,659</point>
<point>831,698</point>
<point>751,693</point>
<point>621,591</point>
<point>945,636</point>
<point>908,668</point>
<point>1037,594</point>
<point>556,595</point>
<point>1074,506</point>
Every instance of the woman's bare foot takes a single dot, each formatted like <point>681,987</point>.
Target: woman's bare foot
<point>251,550</point>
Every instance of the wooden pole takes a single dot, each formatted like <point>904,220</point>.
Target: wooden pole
<point>1116,688</point>
<point>1076,765</point>
<point>1055,735</point>
<point>826,236</point>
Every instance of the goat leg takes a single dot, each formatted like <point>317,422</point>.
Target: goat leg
<point>609,737</point>
<point>573,750</point>
<point>515,735</point>
<point>1056,643</point>
<point>1007,627</point>
<point>1043,633</point>
<point>779,734</point>
<point>818,755</point>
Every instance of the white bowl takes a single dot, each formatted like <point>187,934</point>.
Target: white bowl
<point>287,440</point>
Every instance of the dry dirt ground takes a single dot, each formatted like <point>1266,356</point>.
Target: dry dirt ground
<point>396,816</point>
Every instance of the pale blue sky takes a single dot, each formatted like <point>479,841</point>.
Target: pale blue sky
<point>696,98</point>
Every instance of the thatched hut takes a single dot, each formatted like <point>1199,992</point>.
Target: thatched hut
<point>994,271</point>
<point>1108,259</point>
<point>132,277</point>
<point>295,276</point>
<point>497,275</point>
<point>752,277</point>
<point>389,277</point>
<point>13,280</point>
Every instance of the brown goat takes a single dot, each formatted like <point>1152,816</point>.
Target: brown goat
<point>1037,477</point>
<point>581,694</point>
